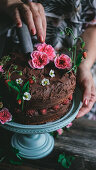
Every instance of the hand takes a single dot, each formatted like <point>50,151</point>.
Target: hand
<point>85,80</point>
<point>32,13</point>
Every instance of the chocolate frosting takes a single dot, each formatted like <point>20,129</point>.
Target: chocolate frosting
<point>61,87</point>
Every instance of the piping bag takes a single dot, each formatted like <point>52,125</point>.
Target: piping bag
<point>25,39</point>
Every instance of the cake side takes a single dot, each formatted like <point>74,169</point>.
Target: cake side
<point>47,103</point>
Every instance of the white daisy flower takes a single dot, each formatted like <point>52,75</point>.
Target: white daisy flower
<point>19,81</point>
<point>51,73</point>
<point>26,96</point>
<point>45,82</point>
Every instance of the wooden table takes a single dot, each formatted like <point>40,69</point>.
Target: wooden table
<point>79,141</point>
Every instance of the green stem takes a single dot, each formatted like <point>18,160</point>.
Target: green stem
<point>72,56</point>
<point>71,69</point>
<point>75,55</point>
<point>22,104</point>
<point>10,67</point>
<point>14,71</point>
<point>79,39</point>
<point>69,30</point>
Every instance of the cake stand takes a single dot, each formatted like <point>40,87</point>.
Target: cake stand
<point>34,141</point>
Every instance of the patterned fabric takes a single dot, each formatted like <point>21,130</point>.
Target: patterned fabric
<point>76,14</point>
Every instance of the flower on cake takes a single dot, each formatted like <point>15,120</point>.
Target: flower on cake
<point>45,82</point>
<point>69,125</point>
<point>63,62</point>
<point>39,60</point>
<point>60,131</point>
<point>19,81</point>
<point>48,49</point>
<point>1,69</point>
<point>5,116</point>
<point>51,73</point>
<point>26,96</point>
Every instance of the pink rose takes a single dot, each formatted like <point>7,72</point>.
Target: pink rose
<point>60,131</point>
<point>1,69</point>
<point>39,60</point>
<point>31,64</point>
<point>63,62</point>
<point>69,125</point>
<point>48,49</point>
<point>5,116</point>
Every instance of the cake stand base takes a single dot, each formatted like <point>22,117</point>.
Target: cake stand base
<point>34,141</point>
<point>33,146</point>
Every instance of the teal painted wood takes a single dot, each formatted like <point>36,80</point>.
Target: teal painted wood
<point>34,146</point>
<point>33,141</point>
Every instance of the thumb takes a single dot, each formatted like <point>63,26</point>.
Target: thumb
<point>86,93</point>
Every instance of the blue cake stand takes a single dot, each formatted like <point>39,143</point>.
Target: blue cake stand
<point>34,141</point>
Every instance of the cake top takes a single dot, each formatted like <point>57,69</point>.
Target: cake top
<point>41,71</point>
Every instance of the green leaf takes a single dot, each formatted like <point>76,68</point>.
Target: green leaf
<point>18,156</point>
<point>20,73</point>
<point>62,32</point>
<point>33,77</point>
<point>69,49</point>
<point>15,67</point>
<point>25,87</point>
<point>11,154</point>
<point>83,44</point>
<point>2,158</point>
<point>79,59</point>
<point>54,134</point>
<point>15,162</point>
<point>5,59</point>
<point>61,157</point>
<point>19,96</point>
<point>15,150</point>
<point>65,161</point>
<point>14,85</point>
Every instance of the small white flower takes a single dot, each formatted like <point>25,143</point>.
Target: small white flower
<point>51,73</point>
<point>19,81</point>
<point>45,82</point>
<point>26,96</point>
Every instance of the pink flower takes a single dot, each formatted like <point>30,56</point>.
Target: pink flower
<point>1,69</point>
<point>60,131</point>
<point>5,116</point>
<point>69,125</point>
<point>39,60</point>
<point>48,49</point>
<point>63,62</point>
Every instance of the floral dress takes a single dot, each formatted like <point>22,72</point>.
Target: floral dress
<point>76,14</point>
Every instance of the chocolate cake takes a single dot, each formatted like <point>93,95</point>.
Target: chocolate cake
<point>35,96</point>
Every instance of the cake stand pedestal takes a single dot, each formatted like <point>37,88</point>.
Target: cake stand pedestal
<point>34,141</point>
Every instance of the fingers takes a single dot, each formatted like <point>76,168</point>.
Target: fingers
<point>27,16</point>
<point>38,24</point>
<point>86,91</point>
<point>39,20</point>
<point>33,15</point>
<point>85,109</point>
<point>13,12</point>
<point>17,18</point>
<point>42,14</point>
<point>87,106</point>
